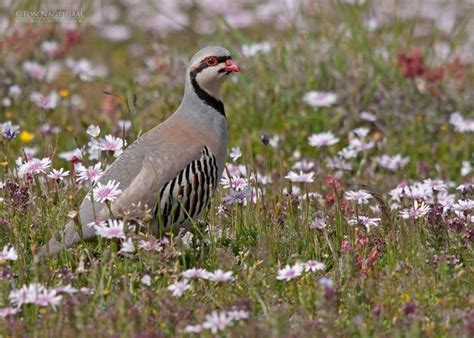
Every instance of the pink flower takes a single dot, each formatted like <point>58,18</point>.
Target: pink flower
<point>322,139</point>
<point>216,321</point>
<point>8,311</point>
<point>178,288</point>
<point>34,166</point>
<point>195,273</point>
<point>89,174</point>
<point>106,193</point>
<point>391,162</point>
<point>314,266</point>
<point>193,328</point>
<point>290,272</point>
<point>112,229</point>
<point>359,196</point>
<point>58,175</point>
<point>151,244</point>
<point>111,143</point>
<point>416,211</point>
<point>220,276</point>
<point>300,177</point>
<point>320,99</point>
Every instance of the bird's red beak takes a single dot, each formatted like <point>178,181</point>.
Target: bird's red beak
<point>231,66</point>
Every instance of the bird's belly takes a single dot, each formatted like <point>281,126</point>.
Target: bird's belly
<point>187,195</point>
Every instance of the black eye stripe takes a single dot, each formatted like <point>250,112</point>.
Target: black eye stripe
<point>220,59</point>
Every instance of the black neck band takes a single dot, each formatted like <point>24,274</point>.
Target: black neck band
<point>201,93</point>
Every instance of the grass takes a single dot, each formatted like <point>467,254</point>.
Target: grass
<point>403,278</point>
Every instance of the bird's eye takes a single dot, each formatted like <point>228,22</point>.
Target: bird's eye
<point>211,61</point>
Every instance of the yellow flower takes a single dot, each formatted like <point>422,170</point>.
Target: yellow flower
<point>26,136</point>
<point>64,93</point>
<point>8,114</point>
<point>405,297</point>
<point>4,164</point>
<point>105,292</point>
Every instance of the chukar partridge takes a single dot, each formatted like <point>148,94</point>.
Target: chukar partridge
<point>173,167</point>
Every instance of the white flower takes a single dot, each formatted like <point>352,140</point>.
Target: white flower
<point>58,175</point>
<point>85,70</point>
<point>48,297</point>
<point>460,123</point>
<point>322,139</point>
<point>216,321</point>
<point>466,168</point>
<point>111,143</point>
<point>300,177</point>
<point>338,163</point>
<point>45,101</point>
<point>89,174</point>
<point>416,211</point>
<point>304,165</point>
<point>151,244</point>
<point>359,196</point>
<point>320,99</point>
<point>193,328</point>
<point>112,229</point>
<point>34,69</point>
<point>9,130</point>
<point>256,48</point>
<point>50,48</point>
<point>115,32</point>
<point>360,145</point>
<point>366,221</point>
<point>93,130</point>
<point>238,314</point>
<point>314,266</point>
<point>235,153</point>
<point>124,125</point>
<point>348,152</point>
<point>290,272</point>
<point>368,116</point>
<point>69,289</point>
<point>34,166</point>
<point>107,192</point>
<point>71,155</point>
<point>464,205</point>
<point>391,162</point>
<point>220,276</point>
<point>127,246</point>
<point>178,288</point>
<point>275,141</point>
<point>34,294</point>
<point>146,280</point>
<point>8,253</point>
<point>195,273</point>
<point>14,91</point>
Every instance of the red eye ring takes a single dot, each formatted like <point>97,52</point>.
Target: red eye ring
<point>211,61</point>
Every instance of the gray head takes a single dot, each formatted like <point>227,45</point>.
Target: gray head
<point>207,71</point>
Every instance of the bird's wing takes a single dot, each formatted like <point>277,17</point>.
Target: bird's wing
<point>157,170</point>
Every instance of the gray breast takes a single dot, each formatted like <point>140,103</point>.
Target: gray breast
<point>189,193</point>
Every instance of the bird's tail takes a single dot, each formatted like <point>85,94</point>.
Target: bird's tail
<point>66,239</point>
